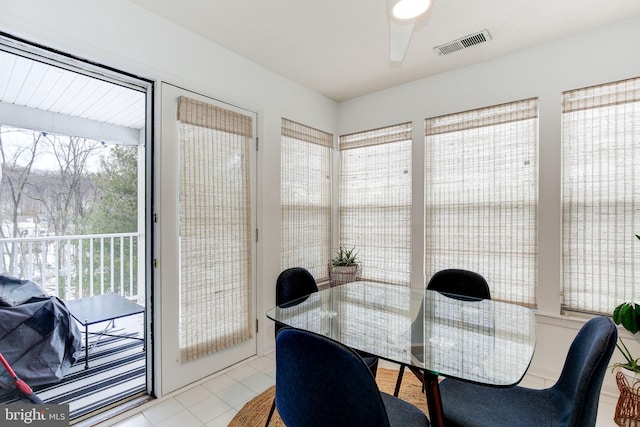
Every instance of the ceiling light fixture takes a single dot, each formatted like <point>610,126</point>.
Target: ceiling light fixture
<point>409,9</point>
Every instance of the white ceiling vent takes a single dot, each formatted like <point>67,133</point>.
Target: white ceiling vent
<point>464,42</point>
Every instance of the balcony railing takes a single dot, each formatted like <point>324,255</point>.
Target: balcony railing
<point>72,267</point>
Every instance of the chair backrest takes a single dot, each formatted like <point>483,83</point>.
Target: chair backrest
<point>291,284</point>
<point>461,284</point>
<point>294,283</point>
<point>576,394</point>
<point>320,382</point>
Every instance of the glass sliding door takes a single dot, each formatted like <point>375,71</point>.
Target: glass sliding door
<point>73,208</point>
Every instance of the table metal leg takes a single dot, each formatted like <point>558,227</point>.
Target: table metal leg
<point>434,401</point>
<point>86,346</point>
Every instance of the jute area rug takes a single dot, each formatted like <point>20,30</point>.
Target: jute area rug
<point>254,413</point>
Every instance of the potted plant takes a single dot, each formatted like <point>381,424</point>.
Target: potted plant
<point>627,411</point>
<point>344,267</point>
<point>627,314</point>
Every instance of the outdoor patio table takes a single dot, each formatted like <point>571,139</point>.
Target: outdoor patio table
<point>101,308</point>
<point>486,341</point>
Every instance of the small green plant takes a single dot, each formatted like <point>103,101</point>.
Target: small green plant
<point>345,257</point>
<point>627,314</point>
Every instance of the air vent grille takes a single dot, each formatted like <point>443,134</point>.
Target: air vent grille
<point>463,43</point>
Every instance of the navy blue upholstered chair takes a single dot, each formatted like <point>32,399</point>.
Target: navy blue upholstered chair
<point>571,402</point>
<point>454,283</point>
<point>460,284</point>
<point>320,382</point>
<point>292,284</point>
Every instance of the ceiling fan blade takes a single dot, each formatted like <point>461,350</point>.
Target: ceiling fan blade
<point>399,37</point>
<point>400,32</point>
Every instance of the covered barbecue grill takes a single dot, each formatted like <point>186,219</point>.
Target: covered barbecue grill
<point>38,337</point>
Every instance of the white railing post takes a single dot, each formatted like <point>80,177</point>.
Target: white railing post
<point>111,269</point>
<point>102,265</point>
<point>57,267</point>
<point>122,292</point>
<point>91,266</point>
<point>131,266</point>
<point>67,263</point>
<point>43,263</point>
<point>80,268</point>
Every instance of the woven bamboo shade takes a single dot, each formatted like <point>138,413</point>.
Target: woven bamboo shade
<point>215,228</point>
<point>481,196</point>
<point>375,201</point>
<point>601,196</point>
<point>305,198</point>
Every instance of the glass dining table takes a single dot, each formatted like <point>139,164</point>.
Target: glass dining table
<point>482,341</point>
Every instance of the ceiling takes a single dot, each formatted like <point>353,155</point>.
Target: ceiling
<point>36,85</point>
<point>340,48</point>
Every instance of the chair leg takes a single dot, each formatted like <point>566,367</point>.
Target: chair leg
<point>399,380</point>
<point>273,408</point>
<point>373,367</point>
<point>420,375</point>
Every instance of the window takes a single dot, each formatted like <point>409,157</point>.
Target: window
<point>375,201</point>
<point>481,196</point>
<point>305,198</point>
<point>601,196</point>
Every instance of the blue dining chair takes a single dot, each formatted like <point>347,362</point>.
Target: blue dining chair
<point>321,382</point>
<point>571,402</point>
<point>460,284</point>
<point>292,284</point>
<point>455,283</point>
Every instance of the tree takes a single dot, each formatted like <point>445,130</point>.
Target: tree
<point>17,165</point>
<point>116,210</point>
<point>66,200</point>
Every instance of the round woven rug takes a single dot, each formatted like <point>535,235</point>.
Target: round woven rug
<point>254,413</point>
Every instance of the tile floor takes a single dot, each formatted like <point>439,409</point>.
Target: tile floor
<point>214,401</point>
<point>211,402</point>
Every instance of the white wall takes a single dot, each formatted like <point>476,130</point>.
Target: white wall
<point>599,56</point>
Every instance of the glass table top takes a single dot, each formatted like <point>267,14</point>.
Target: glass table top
<point>485,341</point>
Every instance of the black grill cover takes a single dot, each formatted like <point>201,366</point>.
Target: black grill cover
<point>38,337</point>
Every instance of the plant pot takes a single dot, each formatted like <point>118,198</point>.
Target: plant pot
<point>339,275</point>
<point>630,376</point>
<point>628,406</point>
